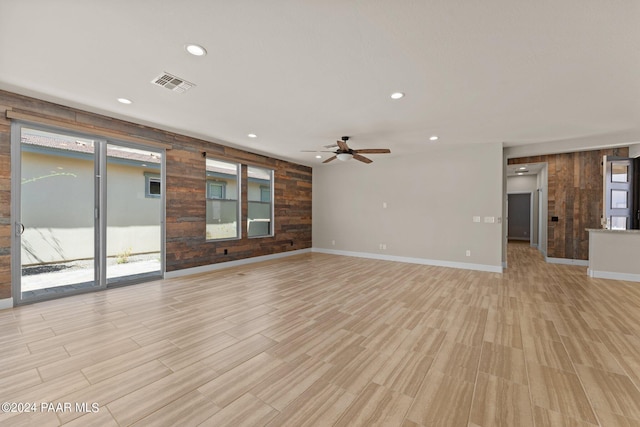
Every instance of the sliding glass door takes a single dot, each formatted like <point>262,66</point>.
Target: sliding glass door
<point>87,213</point>
<point>57,225</point>
<point>133,213</point>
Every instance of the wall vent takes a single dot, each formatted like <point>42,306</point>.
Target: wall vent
<point>173,83</point>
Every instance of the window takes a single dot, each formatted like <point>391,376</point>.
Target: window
<point>216,189</point>
<point>223,195</point>
<point>152,185</point>
<point>265,193</point>
<point>260,195</point>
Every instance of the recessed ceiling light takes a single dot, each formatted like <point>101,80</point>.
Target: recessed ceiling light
<point>318,157</point>
<point>125,101</point>
<point>434,138</point>
<point>397,95</point>
<point>196,50</point>
<point>519,173</point>
<point>252,135</point>
<point>522,168</point>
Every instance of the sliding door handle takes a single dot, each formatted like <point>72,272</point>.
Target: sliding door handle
<point>19,229</point>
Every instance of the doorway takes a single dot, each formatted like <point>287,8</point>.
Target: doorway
<point>519,217</point>
<point>88,213</point>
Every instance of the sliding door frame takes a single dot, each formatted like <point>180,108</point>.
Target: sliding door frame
<point>104,207</point>
<point>100,209</point>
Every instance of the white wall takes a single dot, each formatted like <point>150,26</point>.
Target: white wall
<point>614,254</point>
<point>522,184</point>
<point>431,201</point>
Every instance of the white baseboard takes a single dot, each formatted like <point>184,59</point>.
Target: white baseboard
<point>228,264</point>
<point>567,261</point>
<point>629,277</point>
<point>6,303</point>
<point>434,262</point>
<point>534,245</point>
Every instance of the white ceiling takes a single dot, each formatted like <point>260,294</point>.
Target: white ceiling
<point>524,169</point>
<point>301,74</point>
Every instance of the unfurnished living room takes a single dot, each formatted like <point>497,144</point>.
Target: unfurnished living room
<point>297,213</point>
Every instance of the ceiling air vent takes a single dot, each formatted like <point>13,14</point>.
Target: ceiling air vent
<point>173,83</point>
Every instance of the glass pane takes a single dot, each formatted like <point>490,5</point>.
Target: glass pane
<point>619,172</point>
<point>619,199</point>
<point>618,222</point>
<point>222,200</point>
<point>57,211</point>
<point>154,186</point>
<point>259,190</point>
<point>134,234</point>
<point>215,190</point>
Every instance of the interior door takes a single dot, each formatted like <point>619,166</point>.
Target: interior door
<point>57,216</point>
<point>618,193</point>
<point>635,213</point>
<point>519,215</point>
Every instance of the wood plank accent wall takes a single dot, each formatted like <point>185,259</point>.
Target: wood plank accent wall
<point>575,197</point>
<point>186,246</point>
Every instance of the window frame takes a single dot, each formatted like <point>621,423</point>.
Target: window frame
<point>222,184</point>
<point>270,201</point>
<point>238,193</point>
<point>150,177</point>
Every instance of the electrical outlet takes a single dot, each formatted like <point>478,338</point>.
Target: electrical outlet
<point>384,205</point>
<point>468,253</point>
<point>476,219</point>
<point>333,242</point>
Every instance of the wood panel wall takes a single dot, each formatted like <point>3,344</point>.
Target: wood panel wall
<point>575,197</point>
<point>186,245</point>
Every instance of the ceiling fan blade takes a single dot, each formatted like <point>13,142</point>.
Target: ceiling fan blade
<point>343,146</point>
<point>329,159</point>
<point>362,158</point>
<point>316,151</point>
<point>373,150</point>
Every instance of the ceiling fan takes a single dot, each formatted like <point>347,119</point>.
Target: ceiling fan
<point>345,153</point>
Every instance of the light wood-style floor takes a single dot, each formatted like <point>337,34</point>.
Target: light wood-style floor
<point>324,340</point>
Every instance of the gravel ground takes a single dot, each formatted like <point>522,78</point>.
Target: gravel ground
<point>32,270</point>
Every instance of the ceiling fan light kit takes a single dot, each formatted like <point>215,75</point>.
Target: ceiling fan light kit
<point>344,153</point>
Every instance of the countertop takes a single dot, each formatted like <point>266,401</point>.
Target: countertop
<point>605,230</point>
